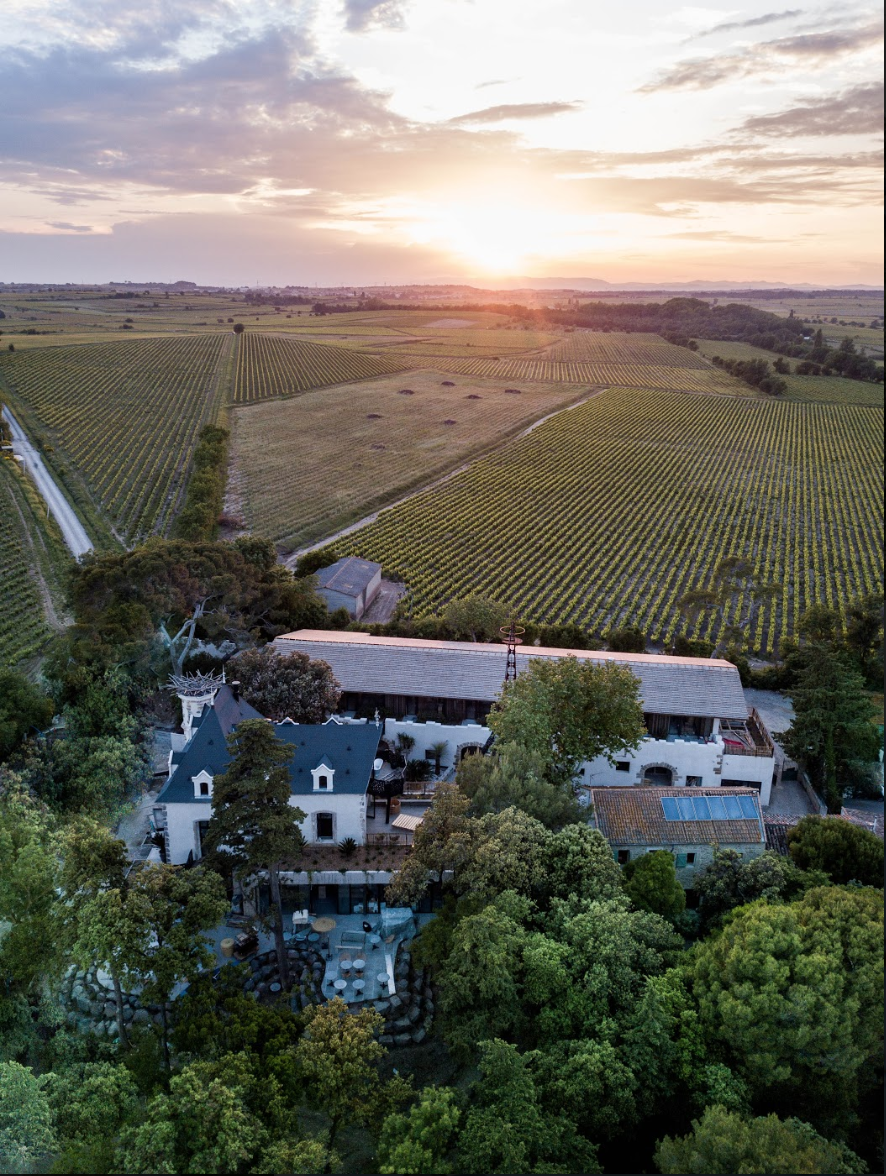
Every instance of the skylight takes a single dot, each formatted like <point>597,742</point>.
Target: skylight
<point>709,808</point>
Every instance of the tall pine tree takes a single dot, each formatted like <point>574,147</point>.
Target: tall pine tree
<point>253,825</point>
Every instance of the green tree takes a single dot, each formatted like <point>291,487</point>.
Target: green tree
<point>28,886</point>
<point>476,617</point>
<point>418,1142</point>
<point>24,711</point>
<point>253,825</point>
<point>794,993</point>
<point>722,1141</point>
<point>287,686</point>
<point>442,842</point>
<point>652,884</point>
<point>732,601</point>
<point>26,1133</point>
<point>730,881</point>
<point>506,1128</point>
<point>90,1103</point>
<point>629,639</point>
<point>168,909</point>
<point>578,861</point>
<point>864,637</point>
<point>842,850</point>
<point>832,723</point>
<point>507,854</point>
<point>516,776</point>
<point>569,711</point>
<point>200,1126</point>
<point>337,1058</point>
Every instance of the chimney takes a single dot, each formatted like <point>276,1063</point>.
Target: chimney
<point>235,691</point>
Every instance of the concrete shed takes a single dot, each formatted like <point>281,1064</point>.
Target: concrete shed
<point>350,583</point>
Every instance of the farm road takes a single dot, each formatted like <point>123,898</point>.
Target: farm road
<point>70,526</point>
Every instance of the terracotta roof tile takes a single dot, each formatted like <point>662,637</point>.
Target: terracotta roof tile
<point>634,816</point>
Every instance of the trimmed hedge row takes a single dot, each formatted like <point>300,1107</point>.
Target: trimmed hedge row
<point>198,518</point>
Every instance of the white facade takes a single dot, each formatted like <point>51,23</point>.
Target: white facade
<point>691,762</point>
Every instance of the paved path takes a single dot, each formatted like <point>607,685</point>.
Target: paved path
<point>62,511</point>
<point>789,800</point>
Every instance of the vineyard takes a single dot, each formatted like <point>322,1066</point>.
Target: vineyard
<point>638,374</point>
<point>124,416</point>
<point>308,466</point>
<point>271,366</point>
<point>823,389</point>
<point>619,348</point>
<point>24,632</point>
<point>609,513</point>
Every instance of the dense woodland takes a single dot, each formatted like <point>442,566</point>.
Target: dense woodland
<point>588,1017</point>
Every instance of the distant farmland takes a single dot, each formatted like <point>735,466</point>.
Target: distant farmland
<point>123,417</point>
<point>608,513</point>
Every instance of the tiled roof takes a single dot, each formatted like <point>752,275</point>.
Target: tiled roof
<point>231,711</point>
<point>350,747</point>
<point>349,575</point>
<point>777,835</point>
<point>475,671</point>
<point>634,816</point>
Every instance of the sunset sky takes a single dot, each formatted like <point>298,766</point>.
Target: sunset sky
<point>363,141</point>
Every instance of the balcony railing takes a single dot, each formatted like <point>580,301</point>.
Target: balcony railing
<point>750,738</point>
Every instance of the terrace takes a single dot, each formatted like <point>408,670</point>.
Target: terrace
<point>748,738</point>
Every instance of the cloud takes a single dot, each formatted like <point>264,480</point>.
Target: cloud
<point>366,14</point>
<point>807,49</point>
<point>853,112</point>
<point>67,227</point>
<point>493,82</point>
<point>753,23</point>
<point>514,110</point>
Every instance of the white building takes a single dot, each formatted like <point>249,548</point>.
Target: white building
<point>330,771</point>
<point>700,731</point>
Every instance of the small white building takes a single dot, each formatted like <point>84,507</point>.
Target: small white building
<point>700,731</point>
<point>349,583</point>
<point>330,771</point>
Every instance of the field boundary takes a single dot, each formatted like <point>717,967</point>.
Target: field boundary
<point>291,558</point>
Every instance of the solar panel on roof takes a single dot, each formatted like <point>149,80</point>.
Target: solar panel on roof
<point>748,808</point>
<point>717,807</point>
<point>708,808</point>
<point>702,812</point>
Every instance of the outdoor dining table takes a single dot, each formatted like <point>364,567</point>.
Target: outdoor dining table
<point>374,941</point>
<point>340,985</point>
<point>359,985</point>
<point>323,926</point>
<point>359,965</point>
<point>383,978</point>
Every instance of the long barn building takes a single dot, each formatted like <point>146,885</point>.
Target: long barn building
<point>700,731</point>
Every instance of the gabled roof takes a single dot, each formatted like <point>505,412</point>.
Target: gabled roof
<point>475,671</point>
<point>349,576</point>
<point>231,711</point>
<point>351,747</point>
<point>634,816</point>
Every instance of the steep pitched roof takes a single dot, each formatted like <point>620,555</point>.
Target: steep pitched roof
<point>230,711</point>
<point>634,816</point>
<point>350,747</point>
<point>349,576</point>
<point>362,663</point>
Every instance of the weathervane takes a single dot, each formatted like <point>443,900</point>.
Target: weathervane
<point>512,635</point>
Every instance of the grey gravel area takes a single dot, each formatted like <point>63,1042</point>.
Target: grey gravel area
<point>774,708</point>
<point>789,800</point>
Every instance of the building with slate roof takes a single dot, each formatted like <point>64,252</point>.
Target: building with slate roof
<point>349,583</point>
<point>700,730</point>
<point>330,770</point>
<point>690,825</point>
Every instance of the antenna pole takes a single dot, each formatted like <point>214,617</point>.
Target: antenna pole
<point>512,635</point>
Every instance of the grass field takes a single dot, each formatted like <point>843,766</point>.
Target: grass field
<point>607,514</point>
<point>122,417</point>
<point>307,466</point>
<point>816,389</point>
<point>32,556</point>
<point>270,366</point>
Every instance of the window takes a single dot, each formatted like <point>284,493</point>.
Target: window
<point>694,781</point>
<point>325,824</point>
<point>323,782</point>
<point>683,860</point>
<point>202,784</point>
<point>624,856</point>
<point>622,766</point>
<point>323,777</point>
<point>690,859</point>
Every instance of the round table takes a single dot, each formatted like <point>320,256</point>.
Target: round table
<point>383,978</point>
<point>359,985</point>
<point>323,926</point>
<point>340,985</point>
<point>374,941</point>
<point>227,948</point>
<point>359,965</point>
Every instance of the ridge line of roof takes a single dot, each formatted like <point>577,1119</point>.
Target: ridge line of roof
<point>338,637</point>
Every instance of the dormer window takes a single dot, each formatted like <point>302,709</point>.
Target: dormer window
<point>202,785</point>
<point>323,776</point>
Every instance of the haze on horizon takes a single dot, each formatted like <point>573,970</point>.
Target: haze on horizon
<point>358,141</point>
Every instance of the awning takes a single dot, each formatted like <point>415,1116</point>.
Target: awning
<point>410,824</point>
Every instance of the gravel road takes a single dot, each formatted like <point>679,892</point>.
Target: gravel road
<point>71,527</point>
